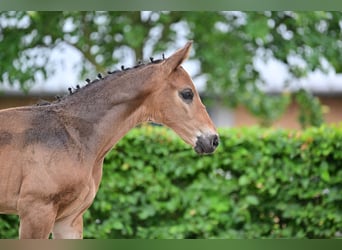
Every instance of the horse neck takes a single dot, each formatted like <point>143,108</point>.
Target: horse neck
<point>108,109</point>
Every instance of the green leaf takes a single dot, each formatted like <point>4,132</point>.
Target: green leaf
<point>325,176</point>
<point>252,200</point>
<point>117,225</point>
<point>244,180</point>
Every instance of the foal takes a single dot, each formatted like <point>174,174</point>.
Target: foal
<point>51,155</point>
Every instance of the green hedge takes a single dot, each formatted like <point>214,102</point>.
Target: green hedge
<point>259,184</point>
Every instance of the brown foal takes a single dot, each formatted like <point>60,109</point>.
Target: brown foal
<point>51,155</point>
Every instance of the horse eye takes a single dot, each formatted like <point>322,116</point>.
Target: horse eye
<point>187,95</point>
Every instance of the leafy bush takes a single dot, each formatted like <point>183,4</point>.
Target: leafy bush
<point>260,183</point>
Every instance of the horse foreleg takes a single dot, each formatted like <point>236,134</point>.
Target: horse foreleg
<point>68,228</point>
<point>36,221</point>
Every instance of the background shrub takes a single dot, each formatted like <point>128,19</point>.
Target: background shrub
<point>260,183</point>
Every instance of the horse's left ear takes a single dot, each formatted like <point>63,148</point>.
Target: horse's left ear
<point>171,63</point>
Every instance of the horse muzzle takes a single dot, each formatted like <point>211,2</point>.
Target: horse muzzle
<point>206,144</point>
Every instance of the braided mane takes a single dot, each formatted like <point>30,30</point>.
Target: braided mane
<point>100,78</point>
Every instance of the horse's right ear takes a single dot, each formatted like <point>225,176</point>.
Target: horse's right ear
<point>171,63</point>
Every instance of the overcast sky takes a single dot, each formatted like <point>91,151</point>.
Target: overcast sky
<point>273,72</point>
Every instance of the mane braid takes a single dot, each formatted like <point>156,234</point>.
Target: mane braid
<point>114,73</point>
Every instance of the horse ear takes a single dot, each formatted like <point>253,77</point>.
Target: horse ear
<point>171,63</point>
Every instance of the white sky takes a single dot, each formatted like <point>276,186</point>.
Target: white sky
<point>274,73</point>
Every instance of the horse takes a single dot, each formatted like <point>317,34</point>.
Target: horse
<point>51,154</point>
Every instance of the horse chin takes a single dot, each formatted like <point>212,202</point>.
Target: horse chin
<point>202,151</point>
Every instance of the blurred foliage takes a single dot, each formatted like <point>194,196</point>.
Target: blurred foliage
<point>226,45</point>
<point>311,111</point>
<point>260,183</point>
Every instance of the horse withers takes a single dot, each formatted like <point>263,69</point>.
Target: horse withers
<point>51,155</point>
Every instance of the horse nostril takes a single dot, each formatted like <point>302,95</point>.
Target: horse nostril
<point>216,141</point>
<point>206,144</point>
